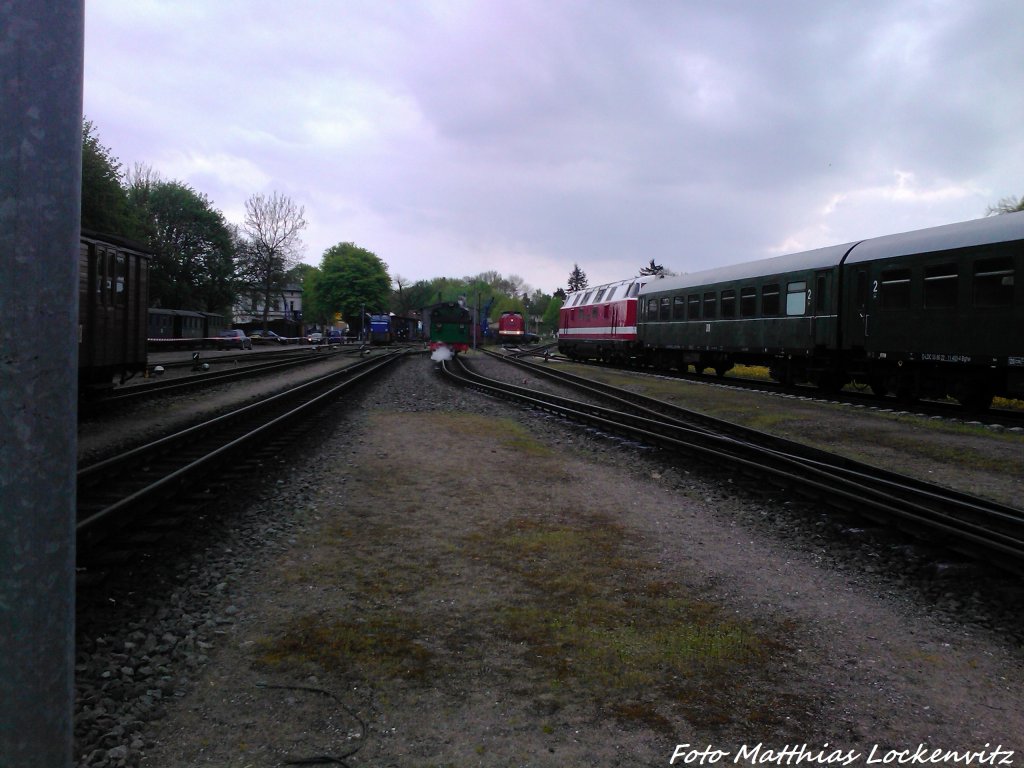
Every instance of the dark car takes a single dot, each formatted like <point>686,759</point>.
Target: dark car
<point>233,339</point>
<point>266,337</point>
<point>334,336</point>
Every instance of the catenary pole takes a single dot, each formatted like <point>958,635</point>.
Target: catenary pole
<point>41,65</point>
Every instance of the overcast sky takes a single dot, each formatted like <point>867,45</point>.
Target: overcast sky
<point>524,136</point>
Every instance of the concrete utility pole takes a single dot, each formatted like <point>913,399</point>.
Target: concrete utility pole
<point>41,63</point>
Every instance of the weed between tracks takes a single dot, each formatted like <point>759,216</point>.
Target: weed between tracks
<point>598,621</point>
<point>528,596</point>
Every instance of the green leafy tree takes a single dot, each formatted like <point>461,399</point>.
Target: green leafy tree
<point>105,205</point>
<point>537,303</point>
<point>314,308</point>
<point>507,304</point>
<point>272,244</point>
<point>350,279</point>
<point>193,245</point>
<point>413,298</point>
<point>1007,205</point>
<point>577,279</point>
<point>550,318</point>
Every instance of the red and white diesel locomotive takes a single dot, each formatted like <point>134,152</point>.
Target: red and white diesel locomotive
<point>511,328</point>
<point>600,322</point>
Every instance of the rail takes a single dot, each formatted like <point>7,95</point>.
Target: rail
<point>969,524</point>
<point>155,473</point>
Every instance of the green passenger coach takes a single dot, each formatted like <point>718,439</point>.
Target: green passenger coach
<point>933,313</point>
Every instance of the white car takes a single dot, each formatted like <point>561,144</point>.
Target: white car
<point>314,338</point>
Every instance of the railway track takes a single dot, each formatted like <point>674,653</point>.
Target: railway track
<point>171,473</point>
<point>973,526</point>
<point>1003,417</point>
<point>202,378</point>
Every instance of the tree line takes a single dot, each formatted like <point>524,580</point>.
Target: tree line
<point>203,262</point>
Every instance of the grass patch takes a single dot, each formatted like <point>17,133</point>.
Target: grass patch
<point>598,621</point>
<point>957,454</point>
<point>508,432</point>
<point>380,646</point>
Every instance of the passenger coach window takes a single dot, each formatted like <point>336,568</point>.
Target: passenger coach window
<point>693,306</point>
<point>940,285</point>
<point>99,276</point>
<point>770,300</point>
<point>678,307</point>
<point>652,309</point>
<point>666,309</point>
<point>748,302</point>
<point>796,299</point>
<point>895,286</point>
<point>729,303</point>
<point>710,305</point>
<point>121,278</point>
<point>993,282</point>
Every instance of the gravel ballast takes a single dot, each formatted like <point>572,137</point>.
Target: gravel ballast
<point>400,521</point>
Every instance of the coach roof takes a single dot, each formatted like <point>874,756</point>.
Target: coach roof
<point>995,229</point>
<point>820,258</point>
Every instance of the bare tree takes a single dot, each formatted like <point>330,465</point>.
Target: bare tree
<point>1007,205</point>
<point>652,269</point>
<point>272,226</point>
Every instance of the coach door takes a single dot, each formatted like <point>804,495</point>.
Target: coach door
<point>857,323</point>
<point>822,309</point>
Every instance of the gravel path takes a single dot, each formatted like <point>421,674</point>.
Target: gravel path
<point>404,595</point>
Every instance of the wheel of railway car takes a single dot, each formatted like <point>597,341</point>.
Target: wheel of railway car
<point>878,387</point>
<point>830,382</point>
<point>976,401</point>
<point>973,396</point>
<point>721,369</point>
<point>781,373</point>
<point>907,394</point>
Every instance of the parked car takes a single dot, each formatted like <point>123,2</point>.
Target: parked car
<point>233,339</point>
<point>266,337</point>
<point>315,338</point>
<point>334,336</point>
